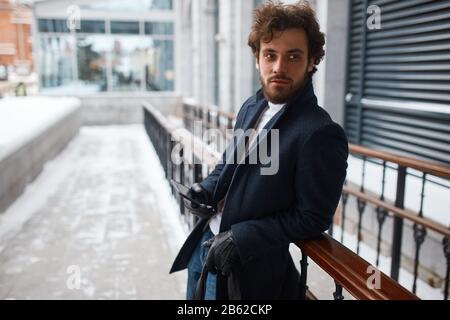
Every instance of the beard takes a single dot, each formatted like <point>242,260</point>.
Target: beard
<point>281,94</point>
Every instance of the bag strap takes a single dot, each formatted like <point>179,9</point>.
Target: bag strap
<point>201,285</point>
<point>234,290</point>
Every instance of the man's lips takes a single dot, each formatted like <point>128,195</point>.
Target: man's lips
<point>280,81</point>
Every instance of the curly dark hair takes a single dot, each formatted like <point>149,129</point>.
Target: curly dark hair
<point>275,16</point>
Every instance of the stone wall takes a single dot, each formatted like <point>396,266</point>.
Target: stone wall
<point>23,163</point>
<point>124,108</point>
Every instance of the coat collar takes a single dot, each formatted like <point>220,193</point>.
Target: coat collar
<point>300,102</point>
<point>299,99</point>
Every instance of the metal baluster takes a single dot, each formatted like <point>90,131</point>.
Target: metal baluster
<point>344,203</point>
<point>381,215</point>
<point>338,293</point>
<point>185,111</point>
<point>230,123</point>
<point>188,182</point>
<point>203,117</point>
<point>446,244</point>
<point>197,177</point>
<point>208,119</point>
<point>361,207</point>
<point>303,276</point>
<point>181,178</point>
<point>419,234</point>
<point>193,119</point>
<point>398,224</point>
<point>171,176</point>
<point>190,115</point>
<point>218,120</point>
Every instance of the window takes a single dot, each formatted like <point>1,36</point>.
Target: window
<point>52,25</point>
<point>159,66</point>
<point>92,65</point>
<point>127,62</point>
<point>161,5</point>
<point>92,26</point>
<point>56,61</point>
<point>159,28</point>
<point>124,27</point>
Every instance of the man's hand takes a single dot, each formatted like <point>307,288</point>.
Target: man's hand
<point>223,253</point>
<point>199,194</point>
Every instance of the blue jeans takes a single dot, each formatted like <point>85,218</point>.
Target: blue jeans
<point>194,268</point>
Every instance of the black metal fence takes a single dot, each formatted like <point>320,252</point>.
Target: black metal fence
<point>386,210</point>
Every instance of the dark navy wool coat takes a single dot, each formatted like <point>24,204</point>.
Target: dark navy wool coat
<point>268,212</point>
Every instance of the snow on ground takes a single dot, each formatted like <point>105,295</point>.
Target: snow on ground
<point>102,205</point>
<point>22,118</point>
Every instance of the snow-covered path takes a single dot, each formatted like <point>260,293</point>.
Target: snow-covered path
<point>98,223</point>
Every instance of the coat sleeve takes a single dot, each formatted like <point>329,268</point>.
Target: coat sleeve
<point>320,172</point>
<point>209,183</point>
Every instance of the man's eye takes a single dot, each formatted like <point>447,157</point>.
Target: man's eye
<point>294,57</point>
<point>269,56</point>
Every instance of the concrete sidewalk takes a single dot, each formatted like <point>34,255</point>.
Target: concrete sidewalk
<point>94,225</point>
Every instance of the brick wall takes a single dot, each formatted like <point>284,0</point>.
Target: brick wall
<point>15,43</point>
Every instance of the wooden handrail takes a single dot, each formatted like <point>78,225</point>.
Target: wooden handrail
<point>351,271</point>
<point>424,166</point>
<point>404,213</point>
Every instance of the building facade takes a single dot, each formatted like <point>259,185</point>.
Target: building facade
<point>105,46</point>
<point>15,38</point>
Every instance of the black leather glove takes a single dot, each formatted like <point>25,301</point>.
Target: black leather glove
<point>223,253</point>
<point>196,192</point>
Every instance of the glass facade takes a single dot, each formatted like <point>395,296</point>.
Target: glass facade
<point>159,72</point>
<point>127,63</point>
<point>129,5</point>
<point>56,61</point>
<point>92,52</point>
<point>132,56</point>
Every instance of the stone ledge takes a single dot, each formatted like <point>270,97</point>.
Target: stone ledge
<point>22,160</point>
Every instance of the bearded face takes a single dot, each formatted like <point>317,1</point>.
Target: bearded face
<point>284,64</point>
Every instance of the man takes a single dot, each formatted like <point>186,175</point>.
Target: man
<point>260,215</point>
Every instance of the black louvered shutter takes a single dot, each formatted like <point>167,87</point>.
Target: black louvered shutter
<point>398,78</point>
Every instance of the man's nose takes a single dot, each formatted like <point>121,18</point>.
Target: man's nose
<point>280,66</point>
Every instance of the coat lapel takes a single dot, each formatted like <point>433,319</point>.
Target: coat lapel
<point>253,113</point>
<point>269,126</point>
